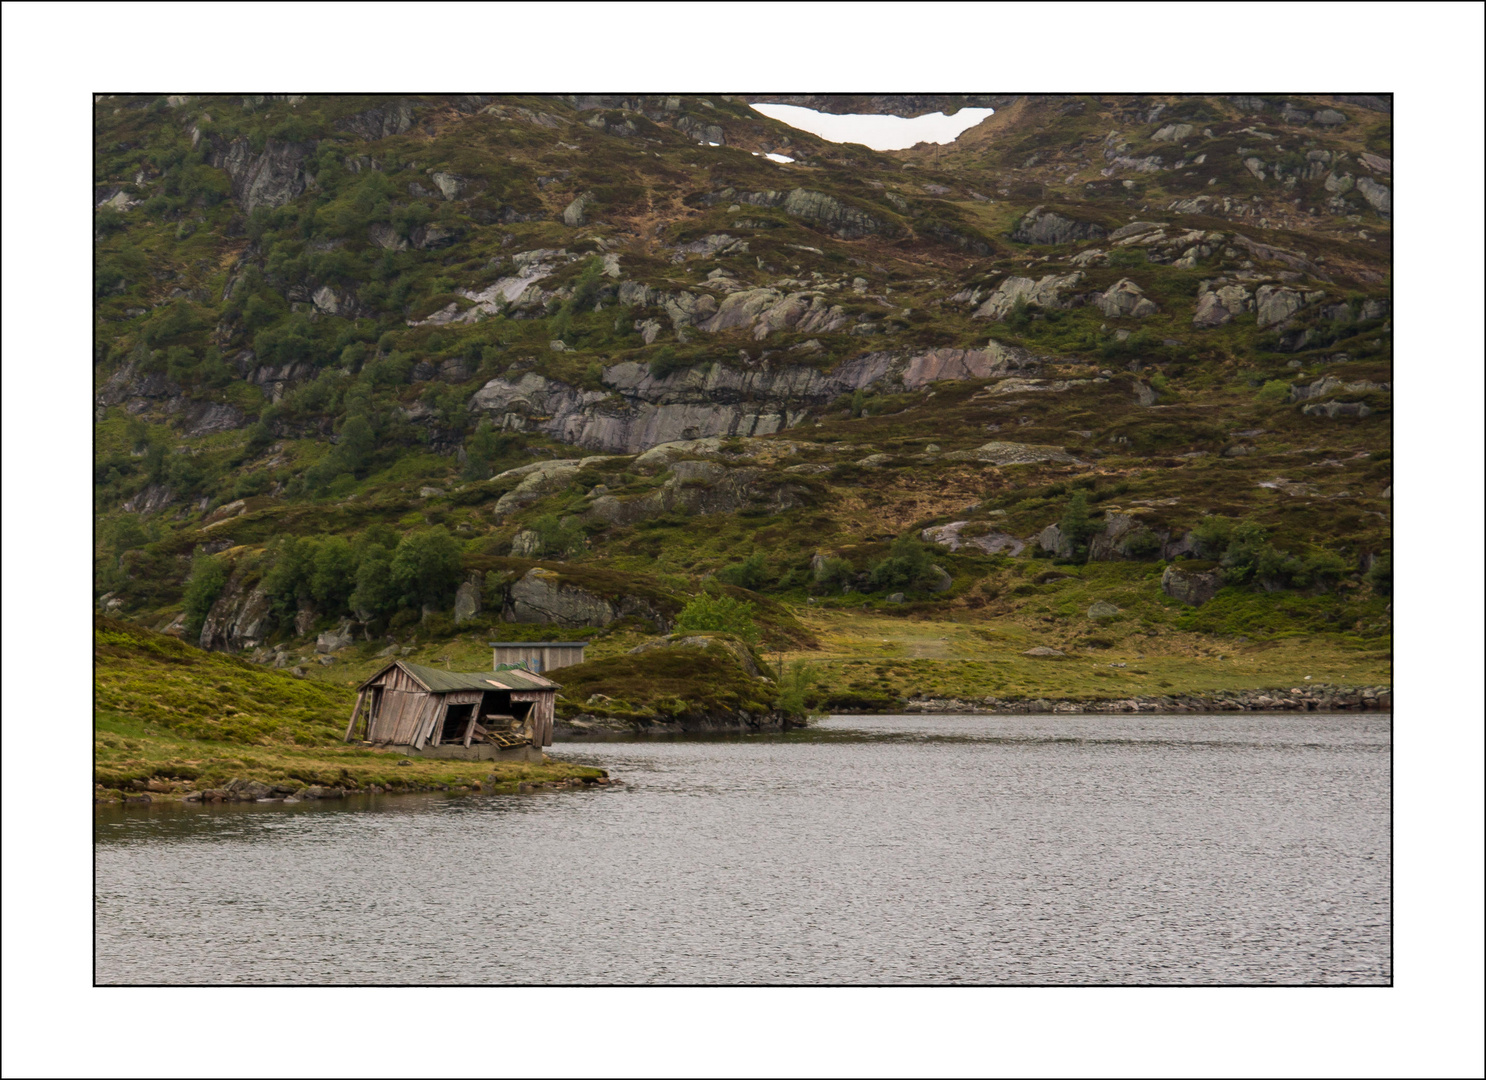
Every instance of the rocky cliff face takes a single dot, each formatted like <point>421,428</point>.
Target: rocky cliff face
<point>640,410</point>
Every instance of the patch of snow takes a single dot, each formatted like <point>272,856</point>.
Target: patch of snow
<point>876,132</point>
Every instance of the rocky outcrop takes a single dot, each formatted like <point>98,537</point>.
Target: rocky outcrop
<point>334,640</point>
<point>1010,453</point>
<point>539,479</point>
<point>238,620</point>
<point>1330,384</point>
<point>816,207</point>
<point>467,599</point>
<point>576,212</point>
<point>1219,302</point>
<point>381,122</point>
<point>1125,299</point>
<point>1190,586</point>
<point>270,178</point>
<point>542,596</point>
<point>1276,303</point>
<point>952,536</point>
<point>1046,293</point>
<point>150,500</point>
<point>1042,226</point>
<point>639,410</point>
<point>1332,409</point>
<point>1378,196</point>
<point>704,487</point>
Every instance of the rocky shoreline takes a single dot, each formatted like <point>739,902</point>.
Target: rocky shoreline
<point>1294,699</point>
<point>256,791</point>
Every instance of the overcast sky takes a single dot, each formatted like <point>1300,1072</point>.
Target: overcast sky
<point>877,132</point>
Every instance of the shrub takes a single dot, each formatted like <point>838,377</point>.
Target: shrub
<point>1077,525</point>
<point>907,566</point>
<point>208,579</point>
<point>559,536</point>
<point>834,573</point>
<point>721,614</point>
<point>426,567</point>
<point>751,573</point>
<point>1273,392</point>
<point>1380,576</point>
<point>795,682</point>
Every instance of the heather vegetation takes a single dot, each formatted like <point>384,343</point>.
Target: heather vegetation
<point>390,374</point>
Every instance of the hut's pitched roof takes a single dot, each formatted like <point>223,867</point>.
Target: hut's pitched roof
<point>439,681</point>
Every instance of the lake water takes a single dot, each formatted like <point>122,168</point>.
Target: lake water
<point>1238,848</point>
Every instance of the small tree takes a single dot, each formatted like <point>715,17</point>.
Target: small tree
<point>721,614</point>
<point>908,565</point>
<point>426,567</point>
<point>795,683</point>
<point>834,573</point>
<point>1078,526</point>
<point>208,579</point>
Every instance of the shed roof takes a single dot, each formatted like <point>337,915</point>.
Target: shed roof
<point>438,681</point>
<point>539,644</point>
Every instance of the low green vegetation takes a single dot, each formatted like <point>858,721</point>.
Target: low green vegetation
<point>170,718</point>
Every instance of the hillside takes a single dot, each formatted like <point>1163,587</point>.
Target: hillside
<point>401,375</point>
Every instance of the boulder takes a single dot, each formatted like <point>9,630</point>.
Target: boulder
<point>1042,652</point>
<point>1125,298</point>
<point>1052,541</point>
<point>1378,196</point>
<point>941,580</point>
<point>576,212</point>
<point>1275,304</point>
<point>339,638</point>
<point>1041,226</point>
<point>246,790</point>
<point>526,544</point>
<point>1010,453</point>
<point>1173,133</point>
<point>540,596</point>
<point>318,792</point>
<point>1101,610</point>
<point>467,599</point>
<point>1194,587</point>
<point>1046,293</point>
<point>992,543</point>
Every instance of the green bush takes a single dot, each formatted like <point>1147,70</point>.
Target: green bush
<point>1273,392</point>
<point>834,574</point>
<point>208,579</point>
<point>1380,577</point>
<point>721,614</point>
<point>907,566</point>
<point>1077,525</point>
<point>752,573</point>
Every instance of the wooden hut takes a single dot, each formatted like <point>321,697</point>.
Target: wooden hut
<point>475,716</point>
<point>538,656</point>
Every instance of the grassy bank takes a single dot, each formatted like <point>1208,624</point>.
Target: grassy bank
<point>170,719</point>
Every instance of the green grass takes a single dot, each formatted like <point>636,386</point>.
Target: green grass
<point>184,718</point>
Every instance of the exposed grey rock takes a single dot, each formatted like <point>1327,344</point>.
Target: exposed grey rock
<point>1125,298</point>
<point>993,543</point>
<point>1011,453</point>
<point>639,411</point>
<point>526,544</point>
<point>942,581</point>
<point>1101,610</point>
<point>270,178</point>
<point>1333,409</point>
<point>1330,384</point>
<point>1378,196</point>
<point>467,599</point>
<point>1190,586</point>
<point>381,122</point>
<point>152,499</point>
<point>1052,541</point>
<point>1217,306</point>
<point>339,638</point>
<point>576,212</point>
<point>542,597</point>
<point>1040,226</point>
<point>1042,652</point>
<point>449,185</point>
<point>700,488</point>
<point>1338,185</point>
<point>239,619</point>
<point>1276,303</point>
<point>1135,228</point>
<point>240,790</point>
<point>1047,292</point>
<point>1173,133</point>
